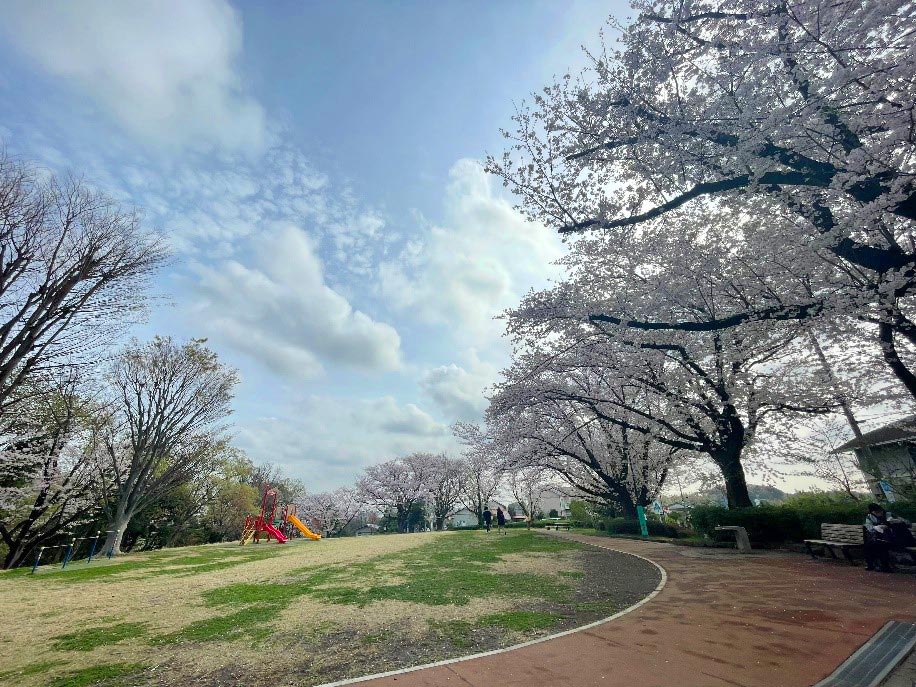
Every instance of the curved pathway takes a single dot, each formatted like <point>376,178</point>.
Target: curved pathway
<point>722,619</point>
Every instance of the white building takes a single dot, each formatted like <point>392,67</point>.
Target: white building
<point>464,517</point>
<point>555,498</point>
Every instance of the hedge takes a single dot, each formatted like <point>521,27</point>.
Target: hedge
<point>777,524</point>
<point>656,528</point>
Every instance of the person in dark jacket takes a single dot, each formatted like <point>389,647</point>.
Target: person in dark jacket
<point>500,520</point>
<point>883,533</point>
<point>487,518</point>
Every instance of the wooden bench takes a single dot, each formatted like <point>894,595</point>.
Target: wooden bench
<point>846,538</point>
<point>557,526</point>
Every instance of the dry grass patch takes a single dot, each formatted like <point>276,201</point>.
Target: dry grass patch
<point>301,613</point>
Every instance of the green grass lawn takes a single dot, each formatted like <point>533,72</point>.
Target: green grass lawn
<point>282,613</point>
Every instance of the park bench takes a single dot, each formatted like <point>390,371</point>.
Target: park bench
<point>557,526</point>
<point>741,538</point>
<point>834,536</point>
<point>846,538</point>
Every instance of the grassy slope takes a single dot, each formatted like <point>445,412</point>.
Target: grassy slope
<point>198,610</point>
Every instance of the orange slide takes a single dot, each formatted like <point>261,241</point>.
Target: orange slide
<point>297,523</point>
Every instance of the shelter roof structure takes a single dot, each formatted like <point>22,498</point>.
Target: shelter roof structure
<point>901,431</point>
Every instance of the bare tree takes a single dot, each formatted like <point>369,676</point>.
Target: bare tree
<point>74,268</point>
<point>167,401</point>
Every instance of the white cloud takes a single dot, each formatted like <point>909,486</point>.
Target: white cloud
<point>164,70</point>
<point>459,390</point>
<point>326,441</point>
<point>278,309</point>
<point>482,262</point>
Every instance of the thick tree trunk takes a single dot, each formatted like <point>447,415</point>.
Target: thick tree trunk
<point>732,435</point>
<point>735,483</point>
<point>117,527</point>
<point>628,507</point>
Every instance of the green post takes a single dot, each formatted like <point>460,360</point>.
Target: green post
<point>643,527</point>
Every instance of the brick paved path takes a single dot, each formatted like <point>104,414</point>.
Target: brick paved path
<point>773,620</point>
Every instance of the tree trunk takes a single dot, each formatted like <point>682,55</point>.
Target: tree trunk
<point>118,526</point>
<point>403,515</point>
<point>735,483</point>
<point>891,357</point>
<point>727,456</point>
<point>14,556</point>
<point>628,507</point>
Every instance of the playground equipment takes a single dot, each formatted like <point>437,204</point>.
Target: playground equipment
<point>289,515</point>
<point>255,525</point>
<point>70,550</point>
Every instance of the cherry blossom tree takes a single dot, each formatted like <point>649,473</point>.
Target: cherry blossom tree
<point>694,391</point>
<point>546,423</point>
<point>330,511</point>
<point>397,485</point>
<point>74,268</point>
<point>444,486</point>
<point>810,446</point>
<point>167,402</point>
<point>46,478</point>
<point>527,484</point>
<point>795,115</point>
<point>482,474</point>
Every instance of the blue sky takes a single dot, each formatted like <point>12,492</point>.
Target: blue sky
<point>316,168</point>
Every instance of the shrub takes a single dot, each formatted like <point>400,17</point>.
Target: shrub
<point>580,514</point>
<point>764,524</point>
<point>795,520</point>
<point>656,528</point>
<point>519,524</point>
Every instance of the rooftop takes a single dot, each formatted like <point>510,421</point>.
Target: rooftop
<point>903,430</point>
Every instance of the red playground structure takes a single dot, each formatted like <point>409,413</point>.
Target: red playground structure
<point>256,524</point>
<point>264,522</point>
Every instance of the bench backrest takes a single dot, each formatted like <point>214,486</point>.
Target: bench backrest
<point>844,534</point>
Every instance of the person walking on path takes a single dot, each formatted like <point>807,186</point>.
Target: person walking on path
<point>500,520</point>
<point>487,518</point>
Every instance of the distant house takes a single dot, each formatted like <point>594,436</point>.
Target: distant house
<point>888,455</point>
<point>555,498</point>
<point>464,517</point>
<point>461,518</point>
<point>367,529</point>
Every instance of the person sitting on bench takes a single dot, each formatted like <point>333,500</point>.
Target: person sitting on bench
<point>884,532</point>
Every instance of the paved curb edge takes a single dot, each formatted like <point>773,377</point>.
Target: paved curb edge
<point>494,652</point>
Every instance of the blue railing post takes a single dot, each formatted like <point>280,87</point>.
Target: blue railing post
<point>69,553</point>
<point>95,540</point>
<point>111,548</point>
<point>41,550</point>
